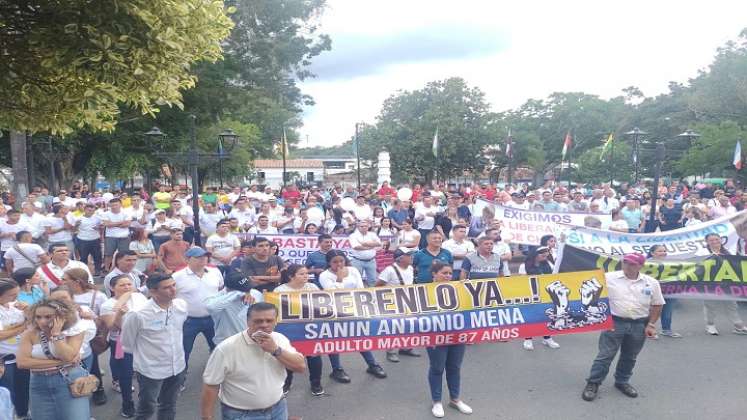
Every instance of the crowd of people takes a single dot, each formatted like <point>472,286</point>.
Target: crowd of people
<point>123,272</point>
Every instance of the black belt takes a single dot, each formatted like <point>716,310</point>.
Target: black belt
<point>259,410</point>
<point>633,320</point>
<point>198,317</point>
<point>361,259</point>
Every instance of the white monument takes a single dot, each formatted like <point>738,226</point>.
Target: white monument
<point>384,173</point>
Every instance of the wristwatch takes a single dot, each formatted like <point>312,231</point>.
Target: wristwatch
<point>277,352</point>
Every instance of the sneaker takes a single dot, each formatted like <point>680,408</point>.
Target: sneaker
<point>549,342</point>
<point>671,334</point>
<point>409,352</point>
<point>740,330</point>
<point>461,407</point>
<point>711,329</point>
<point>182,387</point>
<point>128,410</point>
<point>590,391</point>
<point>654,337</point>
<point>286,389</point>
<point>376,371</point>
<point>316,389</point>
<point>115,387</point>
<point>438,410</point>
<point>627,389</point>
<point>528,345</point>
<point>99,397</point>
<point>392,357</point>
<point>340,376</point>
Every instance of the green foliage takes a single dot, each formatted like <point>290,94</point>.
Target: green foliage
<point>617,163</point>
<point>69,65</point>
<point>713,152</point>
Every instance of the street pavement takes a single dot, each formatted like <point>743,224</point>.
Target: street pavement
<point>695,377</point>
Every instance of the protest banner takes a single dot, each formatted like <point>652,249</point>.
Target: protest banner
<point>295,248</point>
<point>457,312</point>
<point>681,243</point>
<point>529,226</point>
<point>712,277</point>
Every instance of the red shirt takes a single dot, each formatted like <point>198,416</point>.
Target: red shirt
<point>386,190</point>
<point>384,258</point>
<point>291,196</point>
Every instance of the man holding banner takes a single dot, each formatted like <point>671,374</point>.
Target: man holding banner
<point>635,303</point>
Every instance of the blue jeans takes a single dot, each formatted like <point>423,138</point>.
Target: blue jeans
<point>627,337</point>
<point>666,315</point>
<point>122,372</point>
<point>16,381</point>
<point>449,359</point>
<point>158,393</point>
<point>51,398</point>
<point>367,270</point>
<point>279,411</point>
<point>192,327</point>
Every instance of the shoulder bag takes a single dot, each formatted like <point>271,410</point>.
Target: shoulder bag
<point>99,342</point>
<point>80,387</point>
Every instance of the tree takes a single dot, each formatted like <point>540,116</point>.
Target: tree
<point>593,168</point>
<point>69,65</point>
<point>712,153</point>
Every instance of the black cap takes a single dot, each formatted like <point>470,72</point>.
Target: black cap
<point>236,280</point>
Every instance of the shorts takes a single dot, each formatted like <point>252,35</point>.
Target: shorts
<point>115,244</point>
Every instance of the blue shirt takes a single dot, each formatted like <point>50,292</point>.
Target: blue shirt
<point>35,295</point>
<point>422,261</point>
<point>399,216</point>
<point>316,259</point>
<point>632,217</point>
<point>228,311</point>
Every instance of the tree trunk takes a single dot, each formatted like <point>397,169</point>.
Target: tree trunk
<point>19,162</point>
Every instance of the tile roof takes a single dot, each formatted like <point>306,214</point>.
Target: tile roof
<point>289,163</point>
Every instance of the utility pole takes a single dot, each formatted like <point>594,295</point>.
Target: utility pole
<point>358,154</point>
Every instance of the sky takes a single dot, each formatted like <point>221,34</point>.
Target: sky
<point>512,50</point>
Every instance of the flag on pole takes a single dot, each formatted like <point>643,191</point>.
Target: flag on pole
<point>509,145</point>
<point>607,146</point>
<point>567,143</point>
<point>435,144</point>
<point>738,155</point>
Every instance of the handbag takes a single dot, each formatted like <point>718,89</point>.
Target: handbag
<point>99,343</point>
<point>80,387</point>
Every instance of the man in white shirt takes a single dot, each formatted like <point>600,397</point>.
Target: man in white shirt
<point>24,254</point>
<point>362,211</point>
<point>89,236</point>
<point>223,246</point>
<point>117,233</point>
<point>314,212</point>
<point>8,230</point>
<point>517,202</point>
<point>35,222</point>
<point>244,214</point>
<point>425,215</point>
<point>635,303</point>
<point>364,244</point>
<point>63,199</point>
<point>209,219</point>
<point>246,371</point>
<point>263,227</point>
<point>59,227</point>
<point>459,246</point>
<point>153,335</point>
<point>195,283</point>
<point>53,271</point>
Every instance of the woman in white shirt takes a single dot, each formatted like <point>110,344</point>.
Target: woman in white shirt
<point>387,231</point>
<point>161,229</point>
<point>296,279</point>
<point>340,275</point>
<point>12,325</point>
<point>45,349</point>
<point>408,237</point>
<point>126,298</point>
<point>144,249</point>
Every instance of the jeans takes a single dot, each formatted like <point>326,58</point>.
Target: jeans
<point>16,381</point>
<point>51,398</point>
<point>192,327</point>
<point>315,372</point>
<point>367,270</point>
<point>449,359</point>
<point>666,315</point>
<point>93,249</point>
<point>122,373</point>
<point>709,311</point>
<point>161,393</point>
<point>279,411</point>
<point>628,337</point>
<point>334,359</point>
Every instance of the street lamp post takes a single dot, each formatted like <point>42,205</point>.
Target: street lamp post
<point>636,133</point>
<point>688,135</point>
<point>226,137</point>
<point>660,153</point>
<point>193,157</point>
<point>358,155</point>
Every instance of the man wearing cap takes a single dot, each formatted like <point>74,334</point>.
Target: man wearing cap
<point>364,244</point>
<point>517,201</point>
<point>635,302</point>
<point>228,307</point>
<point>194,284</point>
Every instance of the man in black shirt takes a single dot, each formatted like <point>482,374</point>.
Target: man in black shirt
<point>262,268</point>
